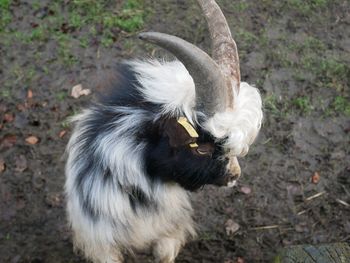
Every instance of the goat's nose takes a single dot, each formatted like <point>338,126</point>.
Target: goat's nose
<point>234,176</point>
<point>234,171</point>
<point>234,168</point>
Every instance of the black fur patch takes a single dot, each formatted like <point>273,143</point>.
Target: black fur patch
<point>138,198</point>
<point>121,91</point>
<point>181,165</point>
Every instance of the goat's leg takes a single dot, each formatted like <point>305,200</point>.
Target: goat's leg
<point>109,256</point>
<point>165,250</point>
<point>111,259</point>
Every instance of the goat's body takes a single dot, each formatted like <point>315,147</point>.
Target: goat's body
<point>166,228</point>
<point>113,203</point>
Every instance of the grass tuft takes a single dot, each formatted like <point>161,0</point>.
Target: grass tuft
<point>303,104</point>
<point>341,105</point>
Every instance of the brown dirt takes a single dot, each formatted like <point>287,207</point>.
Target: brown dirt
<point>297,138</point>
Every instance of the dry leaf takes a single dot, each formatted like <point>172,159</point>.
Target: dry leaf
<point>8,140</point>
<point>231,227</point>
<point>78,91</point>
<point>54,199</point>
<point>21,107</point>
<point>240,260</point>
<point>62,133</point>
<point>20,204</point>
<point>3,107</point>
<point>315,178</point>
<point>246,190</point>
<point>30,94</point>
<point>32,140</point>
<point>21,163</point>
<point>2,165</point>
<point>8,117</point>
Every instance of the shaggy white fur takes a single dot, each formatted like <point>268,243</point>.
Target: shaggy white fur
<point>118,228</point>
<point>168,226</point>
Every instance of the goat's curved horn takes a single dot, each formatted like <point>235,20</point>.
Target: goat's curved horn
<point>209,82</point>
<point>223,46</point>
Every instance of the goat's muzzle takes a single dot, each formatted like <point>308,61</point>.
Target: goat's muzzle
<point>232,175</point>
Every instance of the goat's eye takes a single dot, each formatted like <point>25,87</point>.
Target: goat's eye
<point>205,149</point>
<point>202,152</point>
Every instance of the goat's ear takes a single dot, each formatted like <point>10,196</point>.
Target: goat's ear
<point>177,134</point>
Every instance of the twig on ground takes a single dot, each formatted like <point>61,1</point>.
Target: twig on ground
<point>342,202</point>
<point>265,227</point>
<point>315,196</point>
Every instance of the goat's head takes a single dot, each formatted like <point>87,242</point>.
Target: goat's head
<point>203,156</point>
<point>189,157</point>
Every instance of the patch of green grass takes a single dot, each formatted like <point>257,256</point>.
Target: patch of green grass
<point>107,39</point>
<point>130,18</point>
<point>341,105</point>
<point>277,259</point>
<point>38,34</point>
<point>76,20</point>
<point>278,55</point>
<point>130,22</point>
<point>242,6</point>
<point>271,104</point>
<point>330,73</point>
<point>5,14</point>
<point>30,74</point>
<point>245,36</point>
<point>312,43</point>
<point>61,95</point>
<point>333,70</point>
<point>303,104</point>
<point>307,6</point>
<point>84,42</point>
<point>278,107</point>
<point>308,45</point>
<point>5,4</point>
<point>5,93</point>
<point>65,53</point>
<point>36,5</point>
<point>5,19</point>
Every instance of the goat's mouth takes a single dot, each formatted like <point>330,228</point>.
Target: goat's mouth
<point>228,180</point>
<point>231,184</point>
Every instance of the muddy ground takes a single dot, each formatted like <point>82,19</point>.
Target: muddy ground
<point>295,187</point>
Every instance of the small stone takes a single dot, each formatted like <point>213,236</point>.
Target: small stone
<point>21,163</point>
<point>32,140</point>
<point>246,190</point>
<point>8,117</point>
<point>231,227</point>
<point>30,94</point>
<point>2,165</point>
<point>78,91</point>
<point>54,199</point>
<point>315,178</point>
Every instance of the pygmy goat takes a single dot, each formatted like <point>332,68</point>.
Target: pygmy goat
<point>164,128</point>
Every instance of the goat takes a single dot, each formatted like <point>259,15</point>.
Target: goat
<point>162,130</point>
